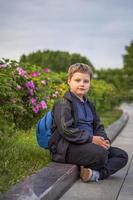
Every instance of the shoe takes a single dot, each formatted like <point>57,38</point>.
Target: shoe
<point>85,174</point>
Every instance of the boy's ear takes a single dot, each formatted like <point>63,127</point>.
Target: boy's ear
<point>68,81</point>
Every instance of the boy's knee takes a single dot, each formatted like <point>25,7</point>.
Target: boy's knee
<point>120,153</point>
<point>102,157</point>
<point>124,155</point>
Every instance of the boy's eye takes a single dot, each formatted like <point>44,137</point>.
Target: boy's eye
<point>86,81</point>
<point>77,80</point>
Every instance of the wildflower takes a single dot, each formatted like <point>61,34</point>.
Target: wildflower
<point>54,95</point>
<point>46,70</point>
<point>31,91</point>
<point>36,109</point>
<point>30,85</point>
<point>19,87</point>
<point>3,65</point>
<point>33,101</point>
<point>43,82</point>
<point>57,92</point>
<point>43,105</point>
<point>21,72</point>
<point>34,74</point>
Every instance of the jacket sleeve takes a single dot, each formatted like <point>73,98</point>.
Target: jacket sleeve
<point>98,127</point>
<point>64,121</point>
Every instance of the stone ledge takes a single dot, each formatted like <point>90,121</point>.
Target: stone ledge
<point>114,129</point>
<point>51,182</point>
<point>48,183</point>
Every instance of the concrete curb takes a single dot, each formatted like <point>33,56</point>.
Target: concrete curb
<point>48,183</point>
<point>51,182</point>
<point>114,129</point>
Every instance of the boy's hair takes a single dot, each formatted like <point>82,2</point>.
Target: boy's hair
<point>79,67</point>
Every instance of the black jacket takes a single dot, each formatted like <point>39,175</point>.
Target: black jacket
<point>65,130</point>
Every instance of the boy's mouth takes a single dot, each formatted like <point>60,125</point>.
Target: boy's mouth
<point>81,89</point>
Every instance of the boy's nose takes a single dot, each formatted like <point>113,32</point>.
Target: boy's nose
<point>81,83</point>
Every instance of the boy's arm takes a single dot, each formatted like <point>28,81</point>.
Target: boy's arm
<point>99,128</point>
<point>65,123</point>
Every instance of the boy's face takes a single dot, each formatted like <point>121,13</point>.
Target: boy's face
<point>79,83</point>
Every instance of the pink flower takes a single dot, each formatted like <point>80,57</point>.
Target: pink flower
<point>31,91</point>
<point>36,109</point>
<point>21,72</point>
<point>43,105</point>
<point>30,85</point>
<point>46,70</point>
<point>19,87</point>
<point>34,74</point>
<point>33,101</point>
<point>3,65</point>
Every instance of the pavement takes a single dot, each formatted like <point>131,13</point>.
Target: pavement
<point>118,186</point>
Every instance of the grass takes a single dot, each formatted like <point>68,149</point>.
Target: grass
<point>109,117</point>
<point>20,155</point>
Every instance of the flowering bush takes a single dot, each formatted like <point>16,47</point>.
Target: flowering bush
<point>24,96</point>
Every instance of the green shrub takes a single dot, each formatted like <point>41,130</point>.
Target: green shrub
<point>103,95</point>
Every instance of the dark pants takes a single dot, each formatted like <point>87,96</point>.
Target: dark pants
<point>90,155</point>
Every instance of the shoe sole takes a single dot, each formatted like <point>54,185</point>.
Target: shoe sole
<point>85,174</point>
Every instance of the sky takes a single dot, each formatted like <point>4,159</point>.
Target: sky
<point>97,29</point>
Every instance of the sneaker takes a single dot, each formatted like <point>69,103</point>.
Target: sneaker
<point>85,174</point>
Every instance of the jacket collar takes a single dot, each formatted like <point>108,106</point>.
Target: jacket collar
<point>69,96</point>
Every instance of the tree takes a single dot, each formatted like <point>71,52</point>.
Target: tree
<point>55,60</point>
<point>128,57</point>
<point>128,65</point>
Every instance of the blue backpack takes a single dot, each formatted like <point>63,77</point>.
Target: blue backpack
<point>43,130</point>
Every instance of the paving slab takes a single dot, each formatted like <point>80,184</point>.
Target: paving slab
<point>126,192</point>
<point>103,190</point>
<point>118,186</point>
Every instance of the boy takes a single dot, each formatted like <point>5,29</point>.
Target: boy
<point>78,137</point>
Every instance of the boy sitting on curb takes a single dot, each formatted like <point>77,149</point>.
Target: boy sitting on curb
<point>78,136</point>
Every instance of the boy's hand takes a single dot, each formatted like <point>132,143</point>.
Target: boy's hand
<point>101,142</point>
<point>108,142</point>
